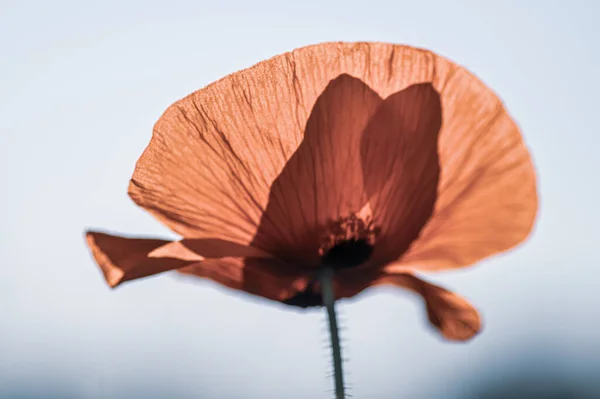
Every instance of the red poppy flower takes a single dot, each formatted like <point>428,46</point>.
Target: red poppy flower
<point>378,161</point>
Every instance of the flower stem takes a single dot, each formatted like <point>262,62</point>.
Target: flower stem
<point>326,278</point>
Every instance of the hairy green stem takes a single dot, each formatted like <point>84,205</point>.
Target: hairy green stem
<point>326,279</point>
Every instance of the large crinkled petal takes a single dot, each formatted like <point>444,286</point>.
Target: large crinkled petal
<point>122,259</point>
<point>214,155</point>
<point>323,178</point>
<point>401,167</point>
<point>487,198</point>
<point>452,315</point>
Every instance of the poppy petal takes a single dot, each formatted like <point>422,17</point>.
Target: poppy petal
<point>122,259</point>
<point>452,315</point>
<point>214,155</point>
<point>264,277</point>
<point>401,167</point>
<point>487,198</point>
<point>323,180</point>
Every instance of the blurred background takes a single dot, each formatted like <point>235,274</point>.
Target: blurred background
<point>81,85</point>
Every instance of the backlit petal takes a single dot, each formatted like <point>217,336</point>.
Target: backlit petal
<point>264,277</point>
<point>214,155</point>
<point>452,315</point>
<point>487,199</point>
<point>401,166</point>
<point>122,259</point>
<point>323,179</point>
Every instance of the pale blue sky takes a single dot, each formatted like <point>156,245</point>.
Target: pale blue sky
<point>82,83</point>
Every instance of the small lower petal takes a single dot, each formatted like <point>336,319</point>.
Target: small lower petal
<point>451,314</point>
<point>122,259</point>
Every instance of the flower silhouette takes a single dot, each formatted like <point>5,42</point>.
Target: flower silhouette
<point>377,161</point>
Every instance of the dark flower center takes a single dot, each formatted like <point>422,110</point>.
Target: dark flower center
<point>349,243</point>
<point>348,253</point>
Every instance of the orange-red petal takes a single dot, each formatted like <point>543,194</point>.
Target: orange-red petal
<point>122,259</point>
<point>401,167</point>
<point>264,277</point>
<point>323,178</point>
<point>451,314</point>
<point>215,154</point>
<point>487,197</point>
